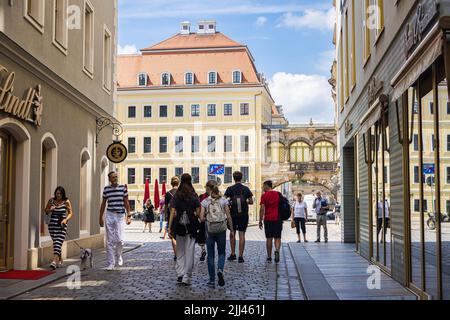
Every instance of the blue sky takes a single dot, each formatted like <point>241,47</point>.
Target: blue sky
<point>291,41</point>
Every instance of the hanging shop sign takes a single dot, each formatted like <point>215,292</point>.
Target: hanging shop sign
<point>418,27</point>
<point>348,127</point>
<point>29,109</point>
<point>117,152</point>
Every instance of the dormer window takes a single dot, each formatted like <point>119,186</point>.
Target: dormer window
<point>189,78</point>
<point>165,79</point>
<point>212,77</point>
<point>237,76</point>
<point>142,79</point>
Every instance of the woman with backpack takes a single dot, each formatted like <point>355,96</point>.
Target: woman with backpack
<point>216,213</point>
<point>185,211</point>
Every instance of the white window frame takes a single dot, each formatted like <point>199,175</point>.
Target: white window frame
<point>38,22</point>
<point>240,76</point>
<point>224,109</point>
<point>185,75</point>
<point>146,79</point>
<point>61,46</point>
<point>162,75</point>
<point>107,65</point>
<point>215,77</point>
<point>199,110</point>
<point>88,6</point>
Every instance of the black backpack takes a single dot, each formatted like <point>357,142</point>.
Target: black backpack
<point>238,202</point>
<point>284,208</point>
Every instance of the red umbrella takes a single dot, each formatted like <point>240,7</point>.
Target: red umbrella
<point>163,191</point>
<point>147,191</point>
<point>156,195</point>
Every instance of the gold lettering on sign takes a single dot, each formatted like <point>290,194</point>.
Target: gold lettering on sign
<point>29,109</point>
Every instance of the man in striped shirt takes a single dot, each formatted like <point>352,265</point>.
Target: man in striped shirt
<point>117,213</point>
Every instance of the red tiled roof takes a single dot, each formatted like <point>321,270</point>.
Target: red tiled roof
<point>194,41</point>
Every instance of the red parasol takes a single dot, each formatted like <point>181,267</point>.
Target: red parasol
<point>163,191</point>
<point>147,191</point>
<point>156,195</point>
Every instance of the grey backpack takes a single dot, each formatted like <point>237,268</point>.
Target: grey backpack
<point>216,218</point>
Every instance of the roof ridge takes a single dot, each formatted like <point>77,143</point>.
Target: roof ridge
<point>154,45</point>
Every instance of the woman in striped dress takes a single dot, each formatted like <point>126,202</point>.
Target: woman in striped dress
<point>60,209</point>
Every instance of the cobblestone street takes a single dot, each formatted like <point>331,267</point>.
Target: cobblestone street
<point>148,273</point>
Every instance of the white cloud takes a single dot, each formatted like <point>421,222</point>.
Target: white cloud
<point>311,19</point>
<point>261,21</point>
<point>303,97</point>
<point>325,61</point>
<point>127,49</point>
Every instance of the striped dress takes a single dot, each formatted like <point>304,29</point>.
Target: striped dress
<point>57,232</point>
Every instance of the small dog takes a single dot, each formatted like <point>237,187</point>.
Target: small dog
<point>85,255</point>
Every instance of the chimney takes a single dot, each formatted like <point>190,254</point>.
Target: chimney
<point>206,27</point>
<point>185,27</point>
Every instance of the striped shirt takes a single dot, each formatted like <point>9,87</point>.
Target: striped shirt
<point>115,198</point>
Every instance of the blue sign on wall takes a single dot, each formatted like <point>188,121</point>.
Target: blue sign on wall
<point>217,169</point>
<point>428,168</point>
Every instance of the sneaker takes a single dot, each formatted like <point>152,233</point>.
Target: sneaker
<point>119,261</point>
<point>306,241</point>
<point>109,268</point>
<point>326,241</point>
<point>211,285</point>
<point>203,256</point>
<point>186,283</point>
<point>277,256</point>
<point>318,240</point>
<point>174,258</point>
<point>221,279</point>
<point>143,231</point>
<point>232,257</point>
<point>53,265</point>
<point>241,260</point>
<point>299,241</point>
<point>269,260</point>
<point>179,279</point>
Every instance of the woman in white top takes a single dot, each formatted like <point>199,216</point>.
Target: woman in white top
<point>299,214</point>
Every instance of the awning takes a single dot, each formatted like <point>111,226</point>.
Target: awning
<point>428,51</point>
<point>371,116</point>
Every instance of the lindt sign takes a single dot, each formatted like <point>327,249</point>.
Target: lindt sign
<point>29,108</point>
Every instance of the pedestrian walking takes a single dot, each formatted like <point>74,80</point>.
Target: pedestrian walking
<point>185,212</point>
<point>380,223</point>
<point>175,182</point>
<point>240,198</point>
<point>321,206</point>
<point>337,213</point>
<point>60,210</point>
<point>149,215</point>
<point>299,216</point>
<point>201,238</point>
<point>161,216</point>
<point>115,201</point>
<point>215,212</point>
<point>273,225</point>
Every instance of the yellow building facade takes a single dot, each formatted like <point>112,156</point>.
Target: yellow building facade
<point>209,110</point>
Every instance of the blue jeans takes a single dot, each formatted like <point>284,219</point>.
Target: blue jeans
<point>211,240</point>
<point>161,221</point>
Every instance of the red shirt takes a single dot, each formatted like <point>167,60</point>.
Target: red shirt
<point>270,200</point>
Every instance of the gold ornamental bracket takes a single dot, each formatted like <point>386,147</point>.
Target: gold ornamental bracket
<point>104,122</point>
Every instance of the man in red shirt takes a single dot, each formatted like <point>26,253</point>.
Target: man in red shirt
<point>273,226</point>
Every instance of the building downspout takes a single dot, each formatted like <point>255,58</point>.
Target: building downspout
<point>257,143</point>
